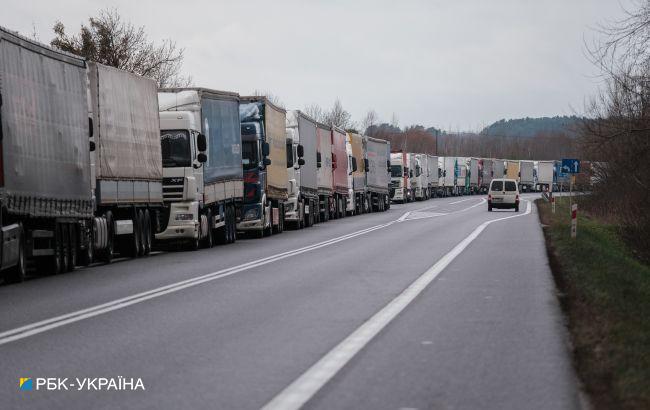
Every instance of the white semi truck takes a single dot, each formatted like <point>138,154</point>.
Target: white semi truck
<point>302,204</point>
<point>202,165</point>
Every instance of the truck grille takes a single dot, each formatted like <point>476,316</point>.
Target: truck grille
<point>173,189</point>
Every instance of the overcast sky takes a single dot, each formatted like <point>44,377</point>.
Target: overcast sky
<point>455,64</point>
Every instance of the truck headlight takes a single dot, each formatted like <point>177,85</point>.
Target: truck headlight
<point>184,217</point>
<point>251,214</point>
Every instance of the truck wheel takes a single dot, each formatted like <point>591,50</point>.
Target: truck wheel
<point>233,218</point>
<point>109,252</point>
<point>141,233</point>
<point>86,255</point>
<point>268,219</point>
<point>72,247</point>
<point>230,226</point>
<point>281,218</point>
<point>146,233</point>
<point>18,273</point>
<point>207,241</point>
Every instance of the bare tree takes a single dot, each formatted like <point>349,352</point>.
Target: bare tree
<point>271,97</point>
<point>338,116</point>
<point>109,40</point>
<point>369,120</point>
<point>316,112</point>
<point>618,135</point>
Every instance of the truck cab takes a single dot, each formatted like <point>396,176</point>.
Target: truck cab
<point>183,155</point>
<point>255,152</point>
<point>400,181</point>
<point>294,208</point>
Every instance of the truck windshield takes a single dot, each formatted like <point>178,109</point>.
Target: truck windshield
<point>396,171</point>
<point>249,155</point>
<point>175,145</point>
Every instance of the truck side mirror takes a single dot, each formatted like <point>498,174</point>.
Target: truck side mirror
<point>267,162</point>
<point>92,146</point>
<point>91,129</point>
<point>366,164</point>
<point>300,151</point>
<point>354,164</point>
<point>318,160</point>
<point>266,149</point>
<point>202,157</point>
<point>411,174</point>
<point>201,143</point>
<point>301,162</point>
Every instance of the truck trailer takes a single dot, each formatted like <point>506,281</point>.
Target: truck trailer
<point>486,174</point>
<point>545,172</point>
<point>302,204</point>
<point>202,165</point>
<point>420,181</point>
<point>474,170</point>
<point>448,175</point>
<point>512,169</point>
<point>433,175</point>
<point>526,175</point>
<point>461,175</point>
<point>357,200</point>
<point>378,165</point>
<point>264,161</point>
<point>340,172</point>
<point>498,168</point>
<point>324,174</point>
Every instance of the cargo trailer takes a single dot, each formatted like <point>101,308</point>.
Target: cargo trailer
<point>357,201</point>
<point>339,172</point>
<point>526,175</point>
<point>302,204</point>
<point>378,164</point>
<point>324,174</point>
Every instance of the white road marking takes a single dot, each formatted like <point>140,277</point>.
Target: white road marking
<point>58,321</point>
<point>462,200</point>
<point>403,217</point>
<point>301,390</point>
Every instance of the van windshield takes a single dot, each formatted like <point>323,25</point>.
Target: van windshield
<point>497,186</point>
<point>511,186</point>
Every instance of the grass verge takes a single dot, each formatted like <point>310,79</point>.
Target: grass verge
<point>605,293</point>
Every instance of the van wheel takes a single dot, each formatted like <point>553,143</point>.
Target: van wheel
<point>18,273</point>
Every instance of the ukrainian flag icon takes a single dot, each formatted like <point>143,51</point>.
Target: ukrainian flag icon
<point>26,383</point>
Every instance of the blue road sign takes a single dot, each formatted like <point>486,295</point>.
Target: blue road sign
<point>570,166</point>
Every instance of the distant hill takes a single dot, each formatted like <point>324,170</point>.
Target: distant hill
<point>529,127</point>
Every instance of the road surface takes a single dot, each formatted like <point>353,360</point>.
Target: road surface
<point>435,304</point>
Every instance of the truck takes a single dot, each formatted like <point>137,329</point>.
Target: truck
<point>461,175</point>
<point>526,175</point>
<point>486,174</point>
<point>512,169</point>
<point>357,200</point>
<point>545,175</point>
<point>474,171</point>
<point>378,167</point>
<point>433,175</point>
<point>80,172</point>
<point>401,174</point>
<point>420,179</point>
<point>498,168</point>
<point>127,163</point>
<point>45,180</point>
<point>265,153</point>
<point>448,176</point>
<point>302,203</point>
<point>324,174</point>
<point>203,185</point>
<point>340,172</point>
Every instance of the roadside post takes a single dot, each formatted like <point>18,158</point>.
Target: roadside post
<point>570,166</point>
<point>552,203</point>
<point>574,220</point>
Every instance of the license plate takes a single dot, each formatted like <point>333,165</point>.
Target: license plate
<point>497,199</point>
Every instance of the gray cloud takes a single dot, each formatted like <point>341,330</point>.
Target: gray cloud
<point>452,64</point>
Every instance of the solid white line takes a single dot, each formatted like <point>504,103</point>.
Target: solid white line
<point>309,383</point>
<point>462,200</point>
<point>58,321</point>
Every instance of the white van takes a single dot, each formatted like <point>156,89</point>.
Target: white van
<point>503,193</point>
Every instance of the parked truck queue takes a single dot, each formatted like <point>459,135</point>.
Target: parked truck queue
<point>98,162</point>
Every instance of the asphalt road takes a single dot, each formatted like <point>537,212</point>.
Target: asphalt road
<point>435,304</point>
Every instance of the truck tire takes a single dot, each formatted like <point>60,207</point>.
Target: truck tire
<point>208,240</point>
<point>233,223</point>
<point>72,247</point>
<point>86,255</point>
<point>62,245</point>
<point>18,273</point>
<point>146,233</point>
<point>109,252</point>
<point>141,232</point>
